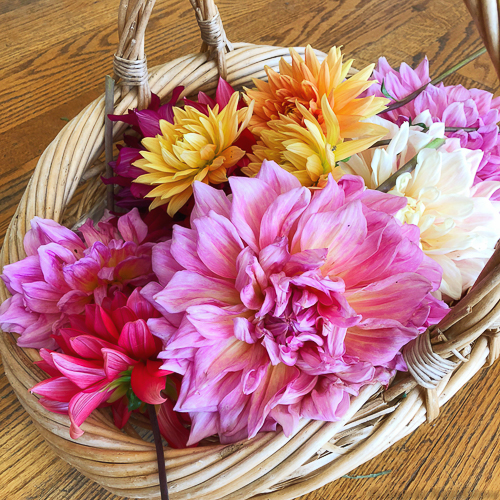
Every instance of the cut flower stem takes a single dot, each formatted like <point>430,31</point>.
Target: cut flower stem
<point>160,457</point>
<point>387,185</point>
<point>435,81</point>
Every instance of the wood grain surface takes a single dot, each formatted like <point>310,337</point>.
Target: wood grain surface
<point>54,58</point>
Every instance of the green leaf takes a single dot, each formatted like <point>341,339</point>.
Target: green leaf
<point>346,159</point>
<point>421,125</point>
<point>134,403</point>
<point>384,91</point>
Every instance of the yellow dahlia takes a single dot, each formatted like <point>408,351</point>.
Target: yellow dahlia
<point>196,147</point>
<point>310,151</point>
<point>305,83</point>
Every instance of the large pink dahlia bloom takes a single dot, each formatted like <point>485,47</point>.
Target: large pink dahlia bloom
<point>63,272</point>
<point>279,304</point>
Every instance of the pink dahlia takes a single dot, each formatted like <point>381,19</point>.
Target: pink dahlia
<point>109,357</point>
<point>454,105</point>
<point>64,272</point>
<point>280,304</point>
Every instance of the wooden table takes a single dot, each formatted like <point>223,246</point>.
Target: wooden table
<point>54,58</point>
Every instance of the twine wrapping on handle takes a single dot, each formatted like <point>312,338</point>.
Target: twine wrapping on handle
<point>212,33</point>
<point>129,61</point>
<point>428,369</point>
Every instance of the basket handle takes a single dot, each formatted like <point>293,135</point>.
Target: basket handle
<point>487,19</point>
<point>129,62</point>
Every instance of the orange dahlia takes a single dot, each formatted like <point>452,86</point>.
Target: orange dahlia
<point>306,82</point>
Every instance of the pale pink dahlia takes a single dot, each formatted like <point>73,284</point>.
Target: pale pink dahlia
<point>63,272</point>
<point>279,304</point>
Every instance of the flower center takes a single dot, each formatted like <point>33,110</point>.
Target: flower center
<point>412,213</point>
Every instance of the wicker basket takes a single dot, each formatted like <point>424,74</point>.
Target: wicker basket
<point>66,187</point>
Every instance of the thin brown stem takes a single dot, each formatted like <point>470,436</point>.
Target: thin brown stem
<point>109,105</point>
<point>160,457</point>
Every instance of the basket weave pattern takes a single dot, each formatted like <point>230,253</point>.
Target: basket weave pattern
<point>66,187</point>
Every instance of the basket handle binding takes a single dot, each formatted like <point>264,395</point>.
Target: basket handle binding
<point>129,61</point>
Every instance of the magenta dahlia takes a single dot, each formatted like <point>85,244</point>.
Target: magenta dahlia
<point>109,358</point>
<point>280,304</point>
<point>64,272</point>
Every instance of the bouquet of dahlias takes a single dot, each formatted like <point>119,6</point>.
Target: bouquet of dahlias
<point>270,254</point>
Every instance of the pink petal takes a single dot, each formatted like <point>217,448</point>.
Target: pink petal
<point>281,214</point>
<point>251,198</point>
<point>83,404</point>
<point>116,362</point>
<point>377,341</point>
<point>274,257</point>
<point>56,389</point>
<point>164,264</point>
<point>80,371</point>
<point>137,340</point>
<point>218,244</point>
<point>41,297</point>
<point>268,395</point>
<point>208,198</point>
<point>184,251</point>
<point>223,93</point>
<point>404,292</point>
<point>132,228</point>
<point>44,231</point>
<point>89,347</point>
<point>188,289</point>
<point>26,270</point>
<point>278,178</point>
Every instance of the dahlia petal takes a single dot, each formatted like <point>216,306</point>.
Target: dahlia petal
<point>83,404</point>
<point>137,340</point>
<point>307,260</point>
<point>44,231</point>
<point>41,297</point>
<point>81,372</point>
<point>223,93</point>
<point>328,402</point>
<point>56,389</point>
<point>274,257</point>
<point>215,322</point>
<point>89,347</point>
<point>132,227</point>
<point>203,424</point>
<point>146,385</point>
<point>54,406</point>
<point>377,341</point>
<point>278,178</point>
<point>188,289</point>
<point>184,251</point>
<point>208,198</point>
<point>251,198</point>
<point>164,264</point>
<point>404,292</point>
<point>26,270</point>
<point>218,244</point>
<point>268,394</point>
<point>116,362</point>
<point>121,413</point>
<point>278,219</point>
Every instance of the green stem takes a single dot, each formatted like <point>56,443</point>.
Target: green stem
<point>369,476</point>
<point>435,81</point>
<point>386,186</point>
